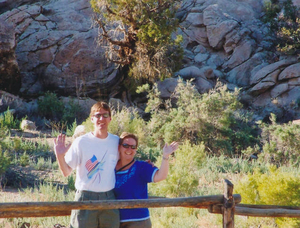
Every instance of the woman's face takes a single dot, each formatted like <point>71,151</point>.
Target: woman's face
<point>125,149</point>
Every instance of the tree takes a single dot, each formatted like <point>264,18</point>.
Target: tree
<point>283,19</point>
<point>139,36</point>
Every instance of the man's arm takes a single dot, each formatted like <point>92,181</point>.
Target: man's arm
<point>60,150</point>
<point>162,173</point>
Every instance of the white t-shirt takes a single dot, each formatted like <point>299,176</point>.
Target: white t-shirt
<point>95,160</point>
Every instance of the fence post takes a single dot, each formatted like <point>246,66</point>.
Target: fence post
<point>228,205</point>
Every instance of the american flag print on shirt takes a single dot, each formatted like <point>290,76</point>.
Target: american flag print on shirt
<point>91,163</point>
<point>94,167</point>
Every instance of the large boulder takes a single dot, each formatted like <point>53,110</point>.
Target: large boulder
<point>56,49</point>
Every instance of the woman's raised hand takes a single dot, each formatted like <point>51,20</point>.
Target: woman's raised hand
<point>169,149</point>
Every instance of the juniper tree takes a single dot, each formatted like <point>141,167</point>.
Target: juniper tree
<point>283,20</point>
<point>139,36</point>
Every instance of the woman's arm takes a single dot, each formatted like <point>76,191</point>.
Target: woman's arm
<point>162,173</point>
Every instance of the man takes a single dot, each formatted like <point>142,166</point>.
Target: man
<point>94,157</point>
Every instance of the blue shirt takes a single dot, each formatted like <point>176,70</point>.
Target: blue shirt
<point>133,184</point>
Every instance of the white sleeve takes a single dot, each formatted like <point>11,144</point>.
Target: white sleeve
<point>72,157</point>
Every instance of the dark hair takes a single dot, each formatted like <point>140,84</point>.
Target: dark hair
<point>126,135</point>
<point>100,105</point>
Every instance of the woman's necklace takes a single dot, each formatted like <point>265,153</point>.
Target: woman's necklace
<point>123,167</point>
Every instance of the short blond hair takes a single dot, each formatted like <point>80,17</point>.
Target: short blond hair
<point>100,105</point>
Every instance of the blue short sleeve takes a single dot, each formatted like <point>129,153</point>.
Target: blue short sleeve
<point>147,172</point>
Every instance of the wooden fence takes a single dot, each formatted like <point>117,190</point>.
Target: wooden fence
<point>227,205</point>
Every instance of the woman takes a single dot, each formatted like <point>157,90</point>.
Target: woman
<point>133,176</point>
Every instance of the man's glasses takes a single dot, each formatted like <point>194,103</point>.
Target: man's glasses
<point>125,145</point>
<point>98,116</point>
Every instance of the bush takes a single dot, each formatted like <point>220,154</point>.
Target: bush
<point>21,152</point>
<point>71,182</point>
<point>214,118</point>
<point>281,143</point>
<point>20,145</point>
<point>182,179</point>
<point>282,16</point>
<point>8,121</point>
<point>5,162</point>
<point>72,111</point>
<point>71,129</point>
<point>54,109</point>
<point>50,106</point>
<point>275,187</point>
<point>43,164</point>
<point>130,121</point>
<point>227,165</point>
<point>147,153</point>
<point>24,159</point>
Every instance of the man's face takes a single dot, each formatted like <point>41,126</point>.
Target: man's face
<point>101,120</point>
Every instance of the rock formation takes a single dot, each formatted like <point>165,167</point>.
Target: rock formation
<point>56,49</point>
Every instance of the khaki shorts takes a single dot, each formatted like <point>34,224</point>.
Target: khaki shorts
<point>138,224</point>
<point>95,218</point>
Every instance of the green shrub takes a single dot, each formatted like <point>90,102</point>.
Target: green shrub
<point>5,162</point>
<point>214,118</point>
<point>53,108</point>
<point>42,146</point>
<point>71,129</point>
<point>71,182</point>
<point>282,16</point>
<point>147,153</point>
<point>43,164</point>
<point>72,111</point>
<point>22,152</point>
<point>275,187</point>
<point>182,179</point>
<point>55,166</point>
<point>89,125</point>
<point>7,120</point>
<point>281,143</point>
<point>24,159</point>
<point>129,121</point>
<point>224,164</point>
<point>20,145</point>
<point>50,106</point>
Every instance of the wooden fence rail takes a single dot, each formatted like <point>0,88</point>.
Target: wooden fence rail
<point>260,210</point>
<point>227,205</point>
<point>49,209</point>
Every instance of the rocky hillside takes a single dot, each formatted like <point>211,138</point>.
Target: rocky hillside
<point>49,45</point>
